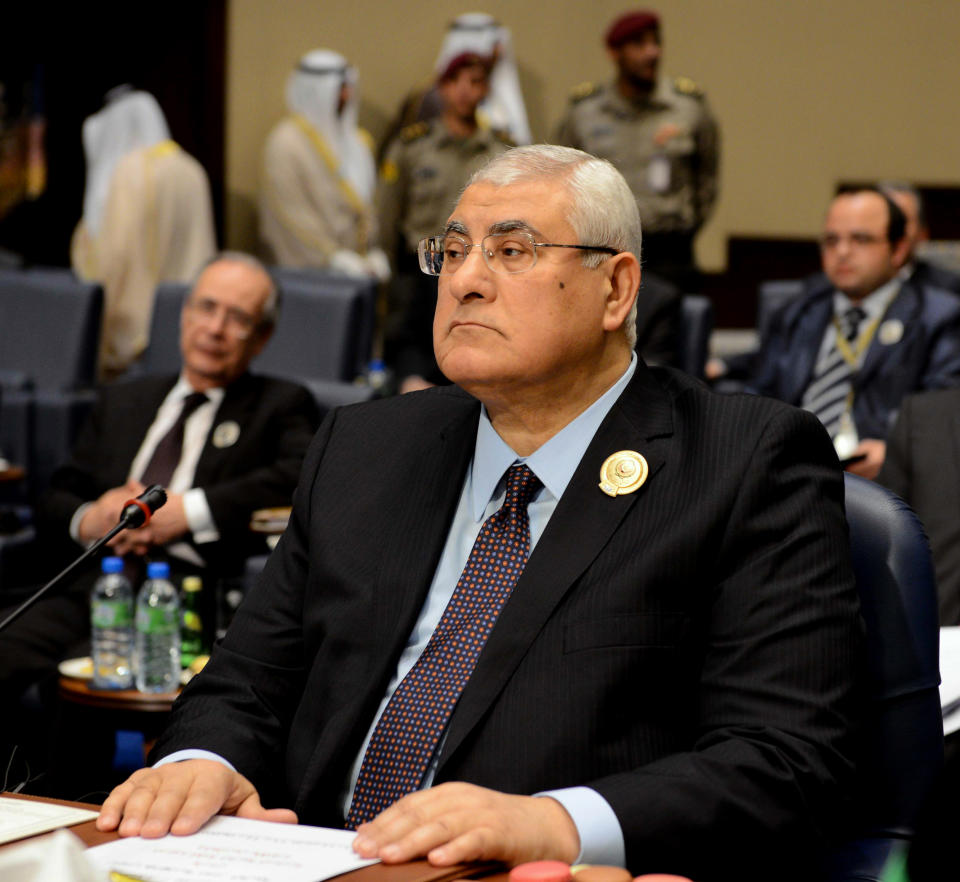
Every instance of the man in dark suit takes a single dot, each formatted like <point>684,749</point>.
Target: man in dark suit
<point>923,467</point>
<point>853,347</point>
<point>671,673</point>
<point>242,449</point>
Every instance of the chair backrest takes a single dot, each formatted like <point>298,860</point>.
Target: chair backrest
<point>902,741</point>
<point>321,333</point>
<point>695,333</point>
<point>49,327</point>
<point>771,296</point>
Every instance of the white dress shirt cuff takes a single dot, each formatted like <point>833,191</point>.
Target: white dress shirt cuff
<point>199,518</point>
<point>192,753</point>
<point>601,839</point>
<point>75,523</point>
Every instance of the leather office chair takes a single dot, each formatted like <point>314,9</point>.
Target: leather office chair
<point>695,333</point>
<point>902,739</point>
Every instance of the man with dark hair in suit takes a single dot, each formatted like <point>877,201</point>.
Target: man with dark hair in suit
<point>242,439</point>
<point>571,607</point>
<point>850,349</point>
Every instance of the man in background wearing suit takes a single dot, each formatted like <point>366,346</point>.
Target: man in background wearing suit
<point>853,347</point>
<point>242,441</point>
<point>664,681</point>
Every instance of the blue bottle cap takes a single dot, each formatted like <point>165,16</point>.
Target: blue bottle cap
<point>159,569</point>
<point>111,565</point>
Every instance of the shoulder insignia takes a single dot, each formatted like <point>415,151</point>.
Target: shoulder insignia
<point>389,173</point>
<point>584,90</point>
<point>686,86</point>
<point>413,132</point>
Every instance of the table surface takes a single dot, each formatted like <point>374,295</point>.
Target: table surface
<point>413,871</point>
<point>81,692</point>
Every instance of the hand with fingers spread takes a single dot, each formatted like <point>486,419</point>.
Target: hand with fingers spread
<point>455,822</point>
<point>180,798</point>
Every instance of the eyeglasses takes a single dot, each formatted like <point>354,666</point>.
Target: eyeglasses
<point>239,323</point>
<point>829,241</point>
<point>514,252</point>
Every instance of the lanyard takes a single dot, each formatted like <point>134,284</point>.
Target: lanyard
<point>851,353</point>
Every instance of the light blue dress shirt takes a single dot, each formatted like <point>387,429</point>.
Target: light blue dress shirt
<point>601,838</point>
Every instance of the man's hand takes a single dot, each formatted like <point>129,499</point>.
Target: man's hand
<point>104,513</point>
<point>875,451</point>
<point>452,823</point>
<point>180,798</point>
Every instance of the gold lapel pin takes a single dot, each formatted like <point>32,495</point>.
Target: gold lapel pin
<point>623,472</point>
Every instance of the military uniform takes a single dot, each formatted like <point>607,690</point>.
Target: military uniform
<point>666,147</point>
<point>421,177</point>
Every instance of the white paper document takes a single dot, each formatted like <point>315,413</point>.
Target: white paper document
<point>950,678</point>
<point>237,849</point>
<point>23,817</point>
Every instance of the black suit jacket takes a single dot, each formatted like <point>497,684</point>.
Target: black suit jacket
<point>687,649</point>
<point>926,356</point>
<point>923,466</point>
<point>275,418</point>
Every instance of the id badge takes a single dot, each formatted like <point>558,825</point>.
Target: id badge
<point>658,173</point>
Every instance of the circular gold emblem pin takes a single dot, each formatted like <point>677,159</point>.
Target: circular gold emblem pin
<point>623,472</point>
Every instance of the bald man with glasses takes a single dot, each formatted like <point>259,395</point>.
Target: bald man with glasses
<point>571,607</point>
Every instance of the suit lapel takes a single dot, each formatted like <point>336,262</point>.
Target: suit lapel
<point>231,417</point>
<point>142,410</point>
<point>903,309</point>
<point>581,525</point>
<point>811,325</point>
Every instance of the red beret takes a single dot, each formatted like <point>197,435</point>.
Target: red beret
<point>465,59</point>
<point>631,25</point>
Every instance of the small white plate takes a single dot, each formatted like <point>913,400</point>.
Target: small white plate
<point>78,668</point>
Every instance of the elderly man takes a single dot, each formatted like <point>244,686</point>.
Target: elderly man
<point>606,615</point>
<point>222,441</point>
<point>660,134</point>
<point>854,346</point>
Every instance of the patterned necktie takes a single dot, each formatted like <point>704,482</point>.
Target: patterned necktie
<point>409,730</point>
<point>168,451</point>
<point>831,384</point>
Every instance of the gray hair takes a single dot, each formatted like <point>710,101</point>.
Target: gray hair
<point>603,211</point>
<point>890,187</point>
<point>270,312</point>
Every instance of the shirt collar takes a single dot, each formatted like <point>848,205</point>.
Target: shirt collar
<point>182,389</point>
<point>554,462</point>
<point>874,304</point>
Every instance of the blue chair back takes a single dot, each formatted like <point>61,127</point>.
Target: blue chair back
<point>49,327</point>
<point>902,741</point>
<point>772,295</point>
<point>697,326</point>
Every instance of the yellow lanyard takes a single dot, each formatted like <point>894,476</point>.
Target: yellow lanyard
<point>851,353</point>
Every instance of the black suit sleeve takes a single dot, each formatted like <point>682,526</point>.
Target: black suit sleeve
<point>772,755</point>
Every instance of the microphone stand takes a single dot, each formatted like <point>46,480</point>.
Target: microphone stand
<point>124,522</point>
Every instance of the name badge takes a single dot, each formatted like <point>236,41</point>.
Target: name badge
<point>226,434</point>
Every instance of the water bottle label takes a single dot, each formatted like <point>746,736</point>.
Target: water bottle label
<point>154,620</point>
<point>111,614</point>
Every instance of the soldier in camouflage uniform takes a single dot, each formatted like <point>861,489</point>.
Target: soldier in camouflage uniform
<point>424,169</point>
<point>661,136</point>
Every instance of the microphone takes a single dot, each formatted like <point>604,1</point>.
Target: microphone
<point>137,512</point>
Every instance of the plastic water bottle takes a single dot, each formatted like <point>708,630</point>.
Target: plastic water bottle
<point>158,632</point>
<point>380,378</point>
<point>111,627</point>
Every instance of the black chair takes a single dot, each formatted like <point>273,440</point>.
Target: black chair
<point>697,326</point>
<point>50,328</point>
<point>772,296</point>
<point>318,340</point>
<point>902,739</point>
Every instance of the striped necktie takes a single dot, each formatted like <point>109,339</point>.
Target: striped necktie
<point>409,730</point>
<point>832,381</point>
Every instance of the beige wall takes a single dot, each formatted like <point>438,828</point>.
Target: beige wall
<point>807,93</point>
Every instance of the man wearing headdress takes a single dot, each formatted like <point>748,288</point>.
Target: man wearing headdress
<point>147,218</point>
<point>316,202</point>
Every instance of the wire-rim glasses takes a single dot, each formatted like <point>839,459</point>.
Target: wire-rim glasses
<point>513,252</point>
